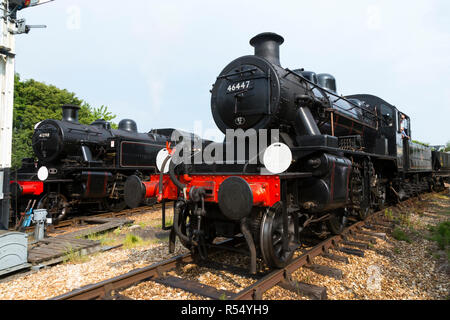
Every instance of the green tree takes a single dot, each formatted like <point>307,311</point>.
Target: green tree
<point>447,147</point>
<point>36,101</point>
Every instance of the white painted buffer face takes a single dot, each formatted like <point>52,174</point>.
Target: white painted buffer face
<point>277,158</point>
<point>43,173</point>
<point>160,158</point>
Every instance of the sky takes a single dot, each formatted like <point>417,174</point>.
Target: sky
<point>155,61</point>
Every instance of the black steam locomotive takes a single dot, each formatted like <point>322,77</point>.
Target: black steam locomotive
<point>84,166</point>
<point>336,157</point>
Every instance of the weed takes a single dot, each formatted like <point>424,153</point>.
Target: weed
<point>437,256</point>
<point>397,251</point>
<point>72,256</point>
<point>106,239</point>
<point>143,225</point>
<point>442,197</point>
<point>223,297</point>
<point>132,241</point>
<point>400,235</point>
<point>169,222</point>
<point>389,215</point>
<point>441,234</point>
<point>118,231</point>
<point>155,241</point>
<point>405,220</point>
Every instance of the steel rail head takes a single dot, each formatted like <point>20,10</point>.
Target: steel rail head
<point>278,276</point>
<point>106,288</point>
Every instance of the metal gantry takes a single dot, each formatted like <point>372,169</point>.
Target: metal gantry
<point>7,57</point>
<point>10,26</point>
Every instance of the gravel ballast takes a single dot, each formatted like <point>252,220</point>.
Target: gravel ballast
<point>390,269</point>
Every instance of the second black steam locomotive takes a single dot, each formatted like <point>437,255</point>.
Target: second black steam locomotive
<point>80,166</point>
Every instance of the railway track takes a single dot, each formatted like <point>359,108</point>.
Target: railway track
<point>354,240</point>
<point>76,221</point>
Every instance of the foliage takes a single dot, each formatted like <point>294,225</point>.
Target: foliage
<point>421,143</point>
<point>441,234</point>
<point>447,147</point>
<point>106,239</point>
<point>400,235</point>
<point>389,214</point>
<point>36,101</point>
<point>132,241</point>
<point>72,256</point>
<point>118,231</point>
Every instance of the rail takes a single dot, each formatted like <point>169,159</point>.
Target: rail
<point>109,289</point>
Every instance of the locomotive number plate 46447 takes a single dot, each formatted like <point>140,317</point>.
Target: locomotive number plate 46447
<point>239,86</point>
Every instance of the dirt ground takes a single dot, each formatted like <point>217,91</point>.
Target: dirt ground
<point>410,264</point>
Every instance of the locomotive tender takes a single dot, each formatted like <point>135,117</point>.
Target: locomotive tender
<point>346,156</point>
<point>84,164</point>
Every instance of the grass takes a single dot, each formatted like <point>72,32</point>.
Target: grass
<point>144,225</point>
<point>442,197</point>
<point>72,256</point>
<point>132,241</point>
<point>400,235</point>
<point>223,297</point>
<point>405,220</point>
<point>106,239</point>
<point>389,214</point>
<point>169,222</point>
<point>441,234</point>
<point>437,256</point>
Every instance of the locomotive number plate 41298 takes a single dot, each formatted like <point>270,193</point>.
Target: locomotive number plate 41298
<point>239,86</point>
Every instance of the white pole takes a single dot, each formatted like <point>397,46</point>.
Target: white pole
<point>7,50</point>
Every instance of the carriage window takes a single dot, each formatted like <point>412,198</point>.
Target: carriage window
<point>387,119</point>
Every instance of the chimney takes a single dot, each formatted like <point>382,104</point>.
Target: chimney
<point>267,46</point>
<point>70,113</point>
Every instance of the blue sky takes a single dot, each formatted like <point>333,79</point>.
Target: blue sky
<point>155,61</point>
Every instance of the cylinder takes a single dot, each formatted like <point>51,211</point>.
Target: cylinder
<point>26,188</point>
<point>305,123</point>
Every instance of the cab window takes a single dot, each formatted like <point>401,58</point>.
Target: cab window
<point>387,119</point>
<point>404,124</point>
